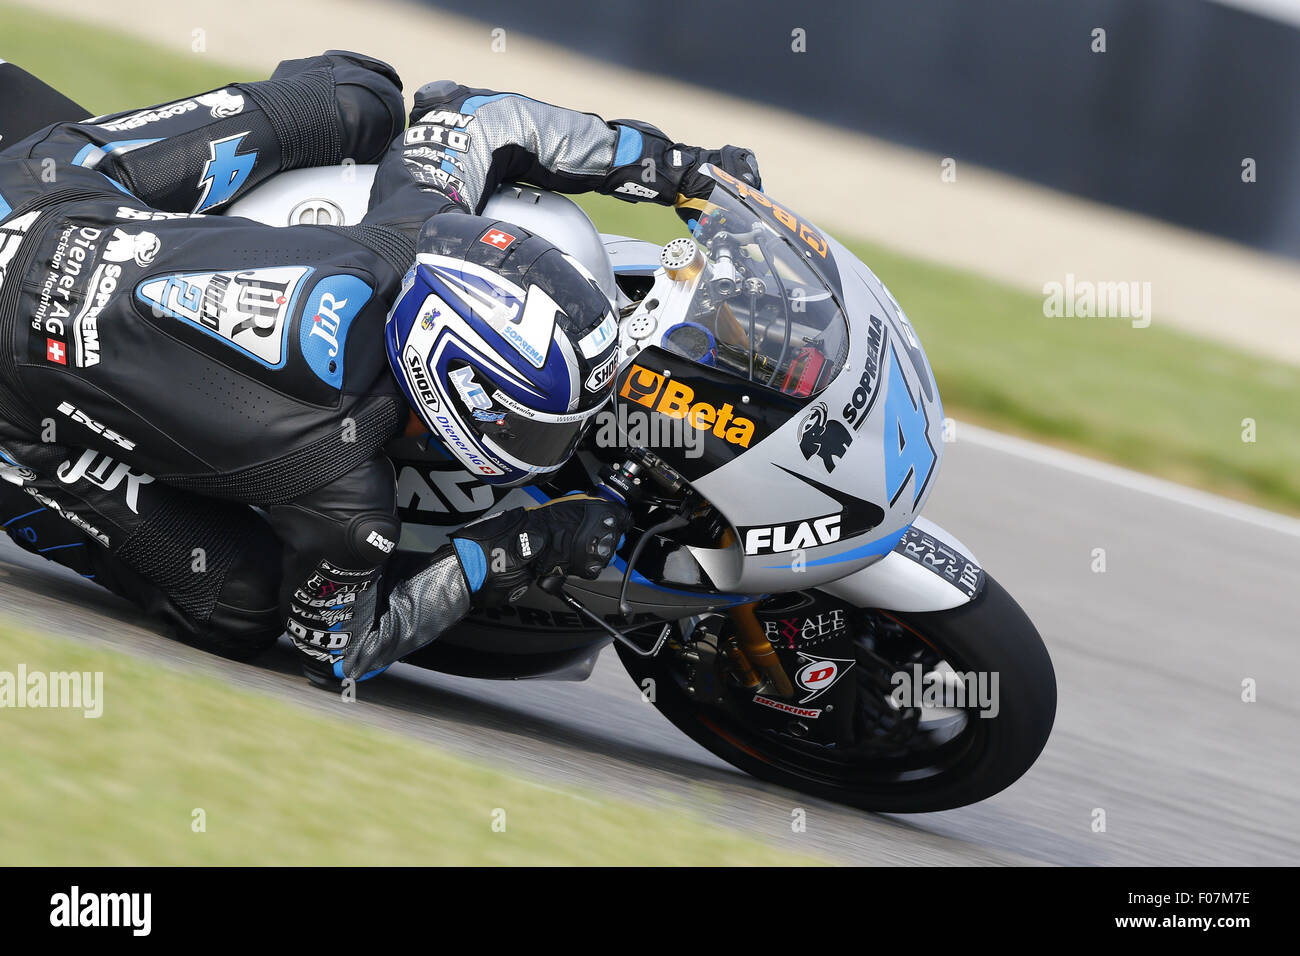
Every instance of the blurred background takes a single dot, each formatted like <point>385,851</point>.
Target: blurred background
<point>1154,113</point>
<point>973,153</point>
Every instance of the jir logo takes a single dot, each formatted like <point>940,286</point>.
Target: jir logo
<point>330,310</point>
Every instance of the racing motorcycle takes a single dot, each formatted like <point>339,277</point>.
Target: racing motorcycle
<point>775,430</point>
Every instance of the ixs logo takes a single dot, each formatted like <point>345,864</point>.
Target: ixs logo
<point>793,535</point>
<point>77,415</point>
<point>636,189</point>
<point>661,394</point>
<point>153,215</point>
<point>377,540</point>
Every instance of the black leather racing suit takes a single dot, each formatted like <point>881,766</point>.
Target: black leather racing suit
<point>161,370</point>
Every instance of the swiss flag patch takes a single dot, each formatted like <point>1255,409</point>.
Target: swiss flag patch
<point>56,351</point>
<point>497,238</point>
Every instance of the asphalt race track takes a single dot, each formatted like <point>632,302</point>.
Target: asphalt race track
<point>1198,594</point>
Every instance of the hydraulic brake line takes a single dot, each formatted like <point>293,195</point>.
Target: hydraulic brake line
<point>676,521</point>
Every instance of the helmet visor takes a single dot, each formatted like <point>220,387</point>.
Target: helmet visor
<point>528,440</point>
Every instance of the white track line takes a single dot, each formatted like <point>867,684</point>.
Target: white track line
<point>1125,478</point>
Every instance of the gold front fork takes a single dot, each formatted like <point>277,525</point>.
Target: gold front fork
<point>758,650</point>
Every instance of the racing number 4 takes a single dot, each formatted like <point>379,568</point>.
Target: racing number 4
<point>907,448</point>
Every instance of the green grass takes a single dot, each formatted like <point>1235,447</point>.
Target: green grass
<point>1152,399</point>
<point>102,70</point>
<point>282,786</point>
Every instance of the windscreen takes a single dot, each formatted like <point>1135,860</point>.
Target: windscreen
<point>758,308</point>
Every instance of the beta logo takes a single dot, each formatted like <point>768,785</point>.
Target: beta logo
<point>819,674</point>
<point>658,393</point>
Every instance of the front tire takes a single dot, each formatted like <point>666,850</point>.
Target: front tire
<point>988,634</point>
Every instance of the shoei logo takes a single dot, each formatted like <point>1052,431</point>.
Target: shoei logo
<point>677,400</point>
<point>419,378</point>
<point>598,379</point>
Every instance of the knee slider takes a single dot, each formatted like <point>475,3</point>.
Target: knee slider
<point>372,537</point>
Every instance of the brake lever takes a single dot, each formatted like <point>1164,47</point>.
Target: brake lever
<point>553,584</point>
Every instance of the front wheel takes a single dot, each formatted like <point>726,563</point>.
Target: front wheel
<point>893,751</point>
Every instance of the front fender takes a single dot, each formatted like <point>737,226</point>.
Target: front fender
<point>929,570</point>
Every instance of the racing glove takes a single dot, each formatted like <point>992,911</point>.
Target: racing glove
<point>671,171</point>
<point>502,554</point>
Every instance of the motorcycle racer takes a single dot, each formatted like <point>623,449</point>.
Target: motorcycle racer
<point>193,408</point>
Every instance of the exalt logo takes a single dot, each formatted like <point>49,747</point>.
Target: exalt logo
<point>129,910</point>
<point>804,630</point>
